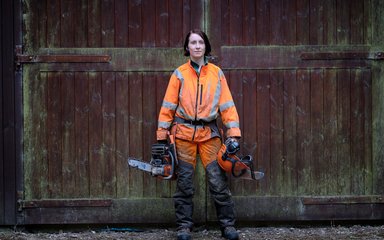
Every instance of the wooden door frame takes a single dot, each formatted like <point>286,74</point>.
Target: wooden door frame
<point>11,112</point>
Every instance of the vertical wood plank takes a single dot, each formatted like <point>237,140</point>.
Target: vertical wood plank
<point>318,168</point>
<point>41,8</point>
<point>249,26</point>
<point>54,135</point>
<point>276,22</point>
<point>122,24</point>
<point>290,133</point>
<point>289,21</point>
<point>135,24</point>
<point>357,22</point>
<point>69,164</point>
<point>107,23</point>
<point>263,22</point>
<point>175,11</point>
<point>80,9</point>
<point>214,30</point>
<point>357,134</point>
<point>67,24</point>
<point>368,155</point>
<point>303,132</point>
<point>81,133</point>
<point>122,134</point>
<point>53,24</point>
<point>163,188</point>
<point>343,131</point>
<point>249,126</point>
<point>316,22</point>
<point>108,88</point>
<point>330,130</point>
<point>277,133</point>
<point>263,128</point>
<point>186,16</point>
<point>235,83</point>
<point>136,183</point>
<point>149,35</point>
<point>302,23</point>
<point>235,23</point>
<point>329,22</point>
<point>94,23</point>
<point>149,128</point>
<point>162,27</point>
<point>225,34</point>
<point>343,22</point>
<point>197,14</point>
<point>95,135</point>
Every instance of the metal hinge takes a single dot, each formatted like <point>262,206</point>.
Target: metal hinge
<point>55,58</point>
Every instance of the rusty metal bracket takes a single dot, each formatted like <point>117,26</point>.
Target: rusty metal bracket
<point>342,56</point>
<point>65,58</point>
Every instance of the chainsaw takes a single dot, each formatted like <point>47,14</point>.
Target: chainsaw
<point>163,160</point>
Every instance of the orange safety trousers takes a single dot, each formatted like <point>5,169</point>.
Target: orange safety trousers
<point>187,150</point>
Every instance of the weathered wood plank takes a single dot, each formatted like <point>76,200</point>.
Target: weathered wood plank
<point>277,132</point>
<point>343,22</point>
<point>80,26</point>
<point>53,24</point>
<point>122,23</point>
<point>235,23</point>
<point>54,135</point>
<point>122,134</point>
<point>94,26</point>
<point>290,134</point>
<point>175,19</point>
<point>368,135</point>
<point>162,28</point>
<point>107,32</point>
<point>96,154</point>
<point>316,23</point>
<point>135,24</point>
<point>357,134</point>
<point>263,127</point>
<point>263,22</point>
<point>318,168</point>
<point>148,23</point>
<point>235,83</point>
<point>249,126</point>
<point>329,22</point>
<point>303,101</point>
<point>108,90</point>
<point>276,23</point>
<point>330,130</point>
<point>249,22</point>
<point>69,163</point>
<point>136,183</point>
<point>302,22</point>
<point>81,124</point>
<point>67,23</point>
<point>343,131</point>
<point>150,113</point>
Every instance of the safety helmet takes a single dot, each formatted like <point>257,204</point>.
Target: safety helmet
<point>230,162</point>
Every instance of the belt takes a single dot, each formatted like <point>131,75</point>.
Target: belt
<point>193,122</point>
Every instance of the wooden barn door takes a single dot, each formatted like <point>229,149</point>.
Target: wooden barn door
<point>304,74</point>
<point>95,73</point>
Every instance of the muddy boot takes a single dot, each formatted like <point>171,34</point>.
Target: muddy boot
<point>184,234</point>
<point>230,233</point>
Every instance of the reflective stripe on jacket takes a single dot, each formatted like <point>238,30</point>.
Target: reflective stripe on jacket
<point>197,97</point>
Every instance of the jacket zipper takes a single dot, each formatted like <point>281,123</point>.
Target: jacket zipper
<point>201,94</point>
<point>197,101</point>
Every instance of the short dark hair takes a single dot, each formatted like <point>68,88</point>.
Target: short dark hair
<point>203,36</point>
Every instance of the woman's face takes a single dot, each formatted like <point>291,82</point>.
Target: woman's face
<point>196,47</point>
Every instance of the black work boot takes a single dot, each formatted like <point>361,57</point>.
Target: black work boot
<point>230,233</point>
<point>184,234</point>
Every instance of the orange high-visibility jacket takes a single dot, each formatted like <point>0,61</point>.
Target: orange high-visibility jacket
<point>197,98</point>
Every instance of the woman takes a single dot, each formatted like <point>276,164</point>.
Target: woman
<point>196,96</point>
